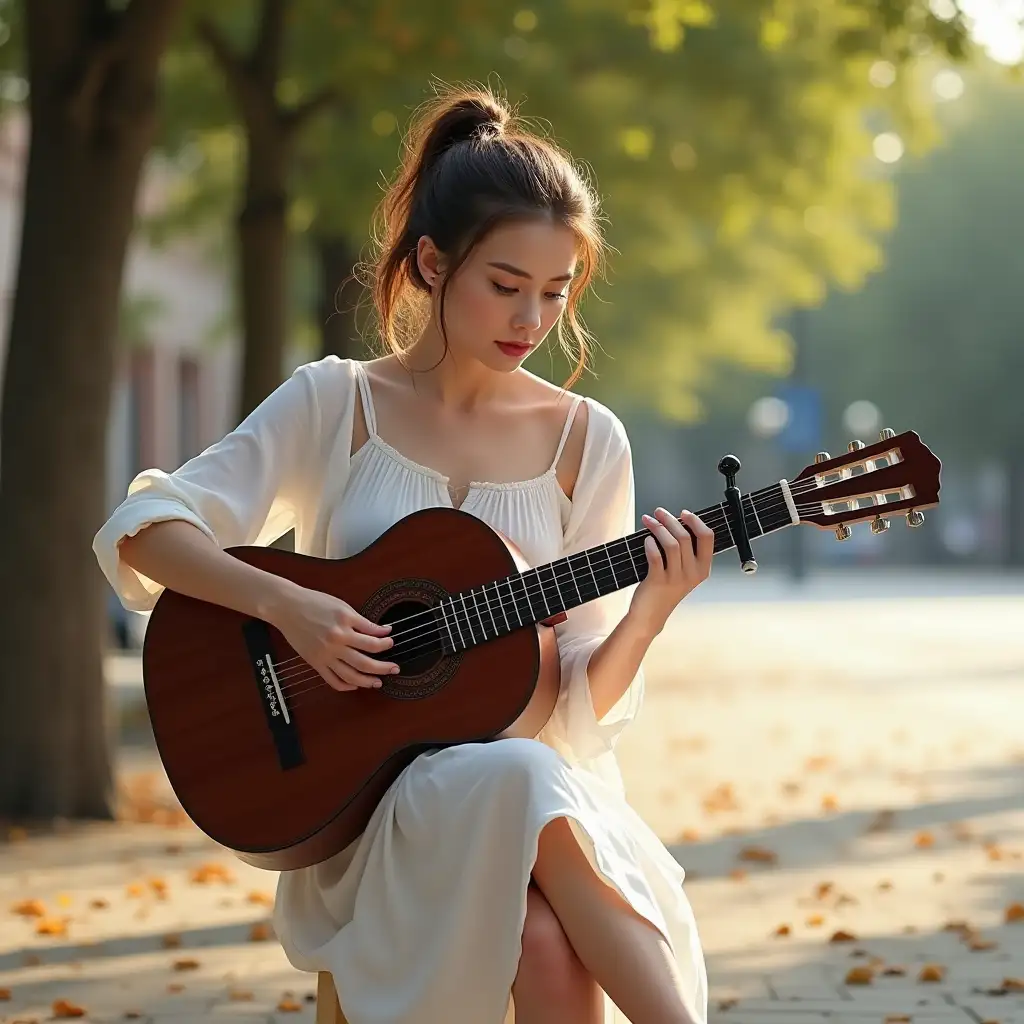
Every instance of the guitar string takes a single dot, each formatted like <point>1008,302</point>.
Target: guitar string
<point>428,618</point>
<point>430,628</point>
<point>715,520</point>
<point>295,688</point>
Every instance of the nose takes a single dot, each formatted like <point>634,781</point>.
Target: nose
<point>527,315</point>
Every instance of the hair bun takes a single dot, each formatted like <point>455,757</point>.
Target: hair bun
<point>468,117</point>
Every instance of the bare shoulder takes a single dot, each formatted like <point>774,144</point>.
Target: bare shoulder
<point>555,402</point>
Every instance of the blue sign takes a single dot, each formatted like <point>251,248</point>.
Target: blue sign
<point>802,432</point>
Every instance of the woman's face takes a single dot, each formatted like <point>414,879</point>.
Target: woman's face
<point>512,288</point>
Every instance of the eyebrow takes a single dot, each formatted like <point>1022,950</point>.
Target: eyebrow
<point>523,273</point>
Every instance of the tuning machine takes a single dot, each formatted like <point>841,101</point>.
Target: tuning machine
<point>879,525</point>
<point>843,532</point>
<point>915,518</point>
<point>855,446</point>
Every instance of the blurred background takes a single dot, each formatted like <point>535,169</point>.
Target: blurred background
<point>816,214</point>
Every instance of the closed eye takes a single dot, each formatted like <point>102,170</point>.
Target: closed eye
<point>503,290</point>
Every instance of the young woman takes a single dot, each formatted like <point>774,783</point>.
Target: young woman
<point>499,878</point>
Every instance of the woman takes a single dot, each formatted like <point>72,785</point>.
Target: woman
<point>489,871</point>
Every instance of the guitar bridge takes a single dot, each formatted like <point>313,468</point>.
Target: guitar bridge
<point>275,707</point>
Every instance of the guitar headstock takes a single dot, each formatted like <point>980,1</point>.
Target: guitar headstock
<point>897,474</point>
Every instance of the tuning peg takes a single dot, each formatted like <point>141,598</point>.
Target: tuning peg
<point>855,446</point>
<point>886,434</point>
<point>879,525</point>
<point>822,457</point>
<point>843,532</point>
<point>914,518</point>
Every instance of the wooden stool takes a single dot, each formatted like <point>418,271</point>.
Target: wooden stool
<point>328,1009</point>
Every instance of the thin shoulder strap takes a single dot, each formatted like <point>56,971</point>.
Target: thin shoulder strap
<point>565,430</point>
<point>367,398</point>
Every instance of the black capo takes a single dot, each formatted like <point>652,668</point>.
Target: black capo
<point>729,467</point>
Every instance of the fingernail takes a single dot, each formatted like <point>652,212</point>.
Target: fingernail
<point>377,684</point>
<point>396,670</point>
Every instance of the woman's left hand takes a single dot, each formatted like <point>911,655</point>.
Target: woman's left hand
<point>682,569</point>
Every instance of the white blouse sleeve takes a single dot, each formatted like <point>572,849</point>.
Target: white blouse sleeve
<point>248,488</point>
<point>602,510</point>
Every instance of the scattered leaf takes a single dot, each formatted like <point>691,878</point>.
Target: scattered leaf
<point>843,936</point>
<point>688,835</point>
<point>98,904</point>
<point>64,1008</point>
<point>260,932</point>
<point>1015,913</point>
<point>211,872</point>
<point>175,987</point>
<point>737,874</point>
<point>894,971</point>
<point>898,1018</point>
<point>261,898</point>
<point>822,889</point>
<point>759,855</point>
<point>57,926</point>
<point>818,763</point>
<point>885,885</point>
<point>829,802</point>
<point>132,1014</point>
<point>782,930</point>
<point>976,944</point>
<point>188,964</point>
<point>860,975</point>
<point>134,891</point>
<point>5,994</point>
<point>924,840</point>
<point>171,941</point>
<point>29,908</point>
<point>932,972</point>
<point>289,1005</point>
<point>240,995</point>
<point>815,921</point>
<point>1013,984</point>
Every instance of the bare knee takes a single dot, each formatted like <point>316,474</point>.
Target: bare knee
<point>548,966</point>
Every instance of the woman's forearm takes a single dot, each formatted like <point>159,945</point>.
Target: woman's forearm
<point>182,558</point>
<point>614,664</point>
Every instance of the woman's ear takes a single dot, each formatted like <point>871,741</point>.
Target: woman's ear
<point>430,261</point>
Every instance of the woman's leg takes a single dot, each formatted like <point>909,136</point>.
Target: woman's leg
<point>626,955</point>
<point>552,986</point>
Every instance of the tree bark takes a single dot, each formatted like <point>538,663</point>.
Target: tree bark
<point>338,298</point>
<point>262,237</point>
<point>93,110</point>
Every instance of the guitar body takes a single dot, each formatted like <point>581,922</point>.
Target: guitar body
<point>286,771</point>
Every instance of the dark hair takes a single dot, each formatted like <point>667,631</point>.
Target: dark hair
<point>468,165</point>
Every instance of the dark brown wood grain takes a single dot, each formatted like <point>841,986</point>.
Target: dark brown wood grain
<point>210,726</point>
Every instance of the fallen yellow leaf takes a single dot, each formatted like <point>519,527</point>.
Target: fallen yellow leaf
<point>843,936</point>
<point>63,1008</point>
<point>861,975</point>
<point>782,930</point>
<point>29,908</point>
<point>52,926</point>
<point>261,898</point>
<point>1015,913</point>
<point>186,964</point>
<point>289,1005</point>
<point>260,932</point>
<point>171,941</point>
<point>923,840</point>
<point>815,921</point>
<point>932,972</point>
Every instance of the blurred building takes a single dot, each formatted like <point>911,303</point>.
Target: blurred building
<point>174,392</point>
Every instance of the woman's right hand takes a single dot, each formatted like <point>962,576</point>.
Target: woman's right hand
<point>332,637</point>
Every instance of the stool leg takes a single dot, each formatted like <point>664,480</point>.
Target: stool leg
<point>328,1009</point>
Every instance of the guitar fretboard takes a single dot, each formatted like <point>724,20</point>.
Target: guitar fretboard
<point>523,599</point>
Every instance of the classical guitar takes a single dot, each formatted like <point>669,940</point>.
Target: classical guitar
<point>274,764</point>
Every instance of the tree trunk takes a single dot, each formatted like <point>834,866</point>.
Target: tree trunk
<point>338,297</point>
<point>262,260</point>
<point>93,109</point>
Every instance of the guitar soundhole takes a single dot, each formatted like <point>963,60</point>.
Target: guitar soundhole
<point>420,649</point>
<point>425,666</point>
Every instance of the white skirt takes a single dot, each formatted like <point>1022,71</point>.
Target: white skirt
<point>420,920</point>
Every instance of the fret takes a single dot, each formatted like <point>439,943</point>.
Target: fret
<point>501,603</point>
<point>753,509</point>
<point>444,617</point>
<point>455,616</point>
<point>469,621</point>
<point>529,607</point>
<point>557,602</point>
<point>490,610</point>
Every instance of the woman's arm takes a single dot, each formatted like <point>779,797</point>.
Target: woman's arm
<point>176,554</point>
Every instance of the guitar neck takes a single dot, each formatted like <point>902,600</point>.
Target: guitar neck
<point>524,599</point>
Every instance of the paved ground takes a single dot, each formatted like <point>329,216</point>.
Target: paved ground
<point>843,779</point>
